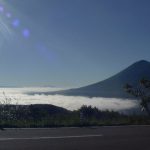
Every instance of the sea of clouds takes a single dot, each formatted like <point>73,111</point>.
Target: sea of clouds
<point>20,96</point>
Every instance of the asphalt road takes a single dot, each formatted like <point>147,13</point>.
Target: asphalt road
<point>96,138</point>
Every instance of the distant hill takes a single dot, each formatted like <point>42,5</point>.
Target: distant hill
<point>113,86</point>
<point>37,109</point>
<point>47,108</point>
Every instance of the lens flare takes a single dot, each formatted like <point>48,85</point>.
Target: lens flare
<point>1,8</point>
<point>26,33</point>
<point>5,13</point>
<point>5,30</point>
<point>48,54</point>
<point>8,15</point>
<point>16,23</point>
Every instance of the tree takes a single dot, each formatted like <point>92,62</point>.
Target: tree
<point>142,92</point>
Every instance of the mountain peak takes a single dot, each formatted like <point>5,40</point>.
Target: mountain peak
<point>142,62</point>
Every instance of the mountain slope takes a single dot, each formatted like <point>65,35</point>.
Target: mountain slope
<point>113,86</point>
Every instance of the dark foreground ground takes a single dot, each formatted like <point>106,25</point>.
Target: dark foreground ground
<point>95,138</point>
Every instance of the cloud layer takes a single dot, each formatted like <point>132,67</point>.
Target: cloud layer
<point>18,96</point>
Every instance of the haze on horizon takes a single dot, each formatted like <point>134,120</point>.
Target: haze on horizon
<point>70,42</point>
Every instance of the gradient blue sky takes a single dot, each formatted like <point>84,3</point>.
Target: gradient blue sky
<point>72,42</point>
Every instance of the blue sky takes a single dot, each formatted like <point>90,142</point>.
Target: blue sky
<point>70,42</point>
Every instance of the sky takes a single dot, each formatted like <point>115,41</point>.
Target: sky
<point>70,43</point>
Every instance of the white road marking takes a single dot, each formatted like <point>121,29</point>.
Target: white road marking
<point>98,127</point>
<point>52,137</point>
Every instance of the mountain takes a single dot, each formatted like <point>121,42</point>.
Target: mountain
<point>113,86</point>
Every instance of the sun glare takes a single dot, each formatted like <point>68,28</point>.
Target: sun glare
<point>10,23</point>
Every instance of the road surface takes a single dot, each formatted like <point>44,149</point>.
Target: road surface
<point>94,138</point>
